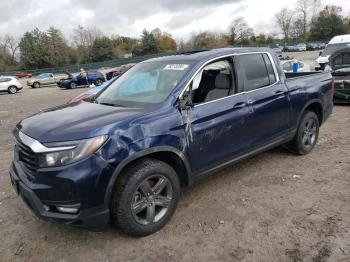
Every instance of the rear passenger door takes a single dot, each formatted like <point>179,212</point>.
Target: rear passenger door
<point>267,98</point>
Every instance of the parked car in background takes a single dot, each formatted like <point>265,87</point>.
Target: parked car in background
<point>300,47</point>
<point>91,77</point>
<point>167,123</point>
<point>22,75</point>
<point>315,46</point>
<point>290,48</point>
<point>312,46</point>
<point>92,91</point>
<point>340,65</point>
<point>10,84</point>
<point>337,43</point>
<point>287,66</point>
<point>42,80</point>
<point>119,71</point>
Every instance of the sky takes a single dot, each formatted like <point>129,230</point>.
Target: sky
<point>129,17</point>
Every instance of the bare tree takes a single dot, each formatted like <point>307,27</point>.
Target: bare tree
<point>284,20</point>
<point>239,29</point>
<point>86,36</point>
<point>12,45</point>
<point>9,44</point>
<point>307,9</point>
<point>297,29</point>
<point>83,40</point>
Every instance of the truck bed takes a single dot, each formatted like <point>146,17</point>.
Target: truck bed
<point>301,74</point>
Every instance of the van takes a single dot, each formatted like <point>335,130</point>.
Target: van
<point>337,43</point>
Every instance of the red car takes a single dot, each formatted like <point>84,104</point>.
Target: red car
<point>22,75</point>
<point>119,71</point>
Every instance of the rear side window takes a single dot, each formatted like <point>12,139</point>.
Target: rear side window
<point>3,80</point>
<point>269,67</point>
<point>346,59</point>
<point>256,74</point>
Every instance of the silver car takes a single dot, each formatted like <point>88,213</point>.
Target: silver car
<point>42,79</point>
<point>10,84</point>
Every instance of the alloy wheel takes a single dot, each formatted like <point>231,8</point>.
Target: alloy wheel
<point>12,90</point>
<point>309,133</point>
<point>151,199</point>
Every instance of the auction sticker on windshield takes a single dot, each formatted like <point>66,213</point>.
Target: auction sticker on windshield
<point>176,67</point>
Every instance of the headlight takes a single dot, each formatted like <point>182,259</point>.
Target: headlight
<point>82,148</point>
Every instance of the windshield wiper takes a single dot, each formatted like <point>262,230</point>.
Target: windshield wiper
<point>111,104</point>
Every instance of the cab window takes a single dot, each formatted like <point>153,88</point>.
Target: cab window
<point>213,82</point>
<point>255,71</point>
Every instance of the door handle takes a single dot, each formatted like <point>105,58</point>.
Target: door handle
<point>239,105</point>
<point>280,92</point>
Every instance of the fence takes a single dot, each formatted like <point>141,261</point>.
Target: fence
<point>89,66</point>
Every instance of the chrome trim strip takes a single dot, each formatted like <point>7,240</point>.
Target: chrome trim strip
<point>37,147</point>
<point>241,93</point>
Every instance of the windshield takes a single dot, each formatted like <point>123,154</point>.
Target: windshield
<point>330,49</point>
<point>145,84</point>
<point>43,76</point>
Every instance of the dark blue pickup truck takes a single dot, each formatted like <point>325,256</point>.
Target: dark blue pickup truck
<point>124,156</point>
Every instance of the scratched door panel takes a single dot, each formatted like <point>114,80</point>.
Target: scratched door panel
<point>270,113</point>
<point>217,130</point>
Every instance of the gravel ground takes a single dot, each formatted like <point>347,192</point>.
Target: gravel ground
<point>273,207</point>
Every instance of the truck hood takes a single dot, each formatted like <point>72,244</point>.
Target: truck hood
<point>75,121</point>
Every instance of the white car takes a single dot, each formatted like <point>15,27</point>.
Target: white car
<point>301,47</point>
<point>287,66</point>
<point>10,84</point>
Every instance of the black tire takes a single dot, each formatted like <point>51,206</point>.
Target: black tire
<point>128,196</point>
<point>307,134</point>
<point>98,82</point>
<point>36,85</point>
<point>73,85</point>
<point>12,90</point>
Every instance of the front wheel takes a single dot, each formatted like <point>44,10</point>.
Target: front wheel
<point>36,85</point>
<point>145,197</point>
<point>307,134</point>
<point>12,90</point>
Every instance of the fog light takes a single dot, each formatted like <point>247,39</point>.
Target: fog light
<point>68,210</point>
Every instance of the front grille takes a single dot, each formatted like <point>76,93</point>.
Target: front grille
<point>27,157</point>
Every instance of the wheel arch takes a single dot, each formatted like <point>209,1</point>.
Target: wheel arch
<point>8,88</point>
<point>316,106</point>
<point>170,155</point>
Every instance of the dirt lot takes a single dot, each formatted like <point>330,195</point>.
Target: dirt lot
<point>273,207</point>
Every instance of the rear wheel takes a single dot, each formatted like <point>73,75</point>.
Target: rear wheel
<point>307,134</point>
<point>72,85</point>
<point>12,90</point>
<point>145,197</point>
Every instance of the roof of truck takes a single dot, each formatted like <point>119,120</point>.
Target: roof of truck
<point>197,56</point>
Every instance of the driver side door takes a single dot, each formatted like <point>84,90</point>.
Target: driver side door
<point>215,125</point>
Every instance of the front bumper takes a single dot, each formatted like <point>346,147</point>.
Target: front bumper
<point>96,217</point>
